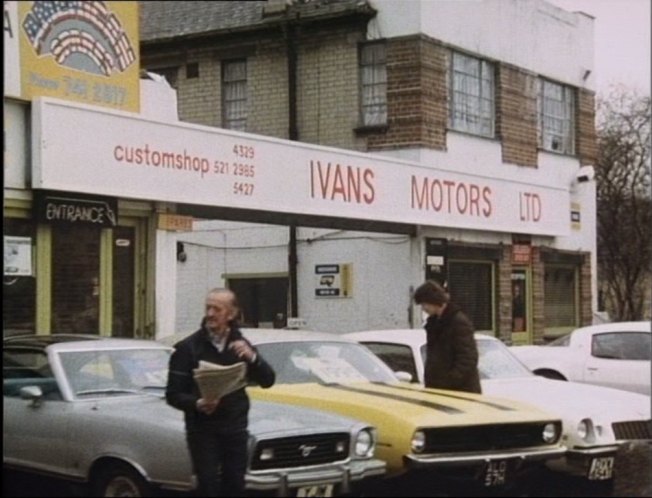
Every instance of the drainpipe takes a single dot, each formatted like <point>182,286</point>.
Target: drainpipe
<point>293,132</point>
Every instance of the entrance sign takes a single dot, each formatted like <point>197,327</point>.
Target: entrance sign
<point>114,153</point>
<point>76,209</point>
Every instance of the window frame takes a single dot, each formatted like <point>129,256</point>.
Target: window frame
<point>485,67</point>
<point>545,136</point>
<point>227,102</point>
<point>375,67</point>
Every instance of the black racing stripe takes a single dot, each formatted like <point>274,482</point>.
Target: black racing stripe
<point>428,404</point>
<point>483,402</point>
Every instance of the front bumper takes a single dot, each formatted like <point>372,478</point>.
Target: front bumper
<point>341,475</point>
<point>577,461</point>
<point>426,461</point>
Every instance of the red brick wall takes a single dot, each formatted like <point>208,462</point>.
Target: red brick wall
<point>516,115</point>
<point>587,148</point>
<point>416,96</point>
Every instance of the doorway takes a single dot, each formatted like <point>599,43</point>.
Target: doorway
<point>521,307</point>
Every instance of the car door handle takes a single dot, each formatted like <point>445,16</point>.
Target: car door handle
<point>592,369</point>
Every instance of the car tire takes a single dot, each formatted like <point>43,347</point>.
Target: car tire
<point>120,479</point>
<point>550,374</point>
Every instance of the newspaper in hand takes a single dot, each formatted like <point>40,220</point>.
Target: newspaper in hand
<point>216,381</point>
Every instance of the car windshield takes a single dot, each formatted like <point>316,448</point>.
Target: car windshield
<point>324,362</point>
<point>564,340</point>
<point>495,362</point>
<point>115,371</point>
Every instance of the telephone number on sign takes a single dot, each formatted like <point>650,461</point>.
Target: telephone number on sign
<point>236,169</point>
<point>240,188</point>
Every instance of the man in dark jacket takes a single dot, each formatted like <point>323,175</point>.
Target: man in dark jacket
<point>451,351</point>
<point>216,429</point>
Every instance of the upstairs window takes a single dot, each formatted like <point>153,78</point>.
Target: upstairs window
<point>556,117</point>
<point>373,78</point>
<point>234,95</point>
<point>472,95</point>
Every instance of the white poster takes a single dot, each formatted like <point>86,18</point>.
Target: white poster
<point>18,256</point>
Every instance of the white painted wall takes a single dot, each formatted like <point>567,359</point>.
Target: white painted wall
<point>382,273</point>
<point>532,34</point>
<point>158,100</point>
<point>16,171</point>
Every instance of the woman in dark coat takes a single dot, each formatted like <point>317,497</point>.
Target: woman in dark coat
<point>451,351</point>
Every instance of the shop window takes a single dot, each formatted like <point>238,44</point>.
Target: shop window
<point>472,95</point>
<point>75,279</point>
<point>556,117</point>
<point>263,301</point>
<point>373,79</point>
<point>19,289</point>
<point>560,297</point>
<point>234,95</point>
<point>470,285</point>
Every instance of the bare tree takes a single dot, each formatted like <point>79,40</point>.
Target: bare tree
<point>624,208</point>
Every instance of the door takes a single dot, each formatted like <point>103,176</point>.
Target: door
<point>521,308</point>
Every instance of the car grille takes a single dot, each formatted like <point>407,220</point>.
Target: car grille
<point>638,429</point>
<point>301,450</point>
<point>484,437</point>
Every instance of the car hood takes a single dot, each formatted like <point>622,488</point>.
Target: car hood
<point>572,399</point>
<point>269,418</point>
<point>265,419</point>
<point>402,405</point>
<point>152,408</point>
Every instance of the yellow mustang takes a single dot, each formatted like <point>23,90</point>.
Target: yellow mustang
<point>484,439</point>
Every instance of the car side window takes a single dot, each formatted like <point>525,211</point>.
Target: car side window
<point>606,346</point>
<point>397,356</point>
<point>621,346</point>
<point>636,346</point>
<point>23,367</point>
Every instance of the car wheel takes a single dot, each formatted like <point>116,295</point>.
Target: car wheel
<point>550,374</point>
<point>120,479</point>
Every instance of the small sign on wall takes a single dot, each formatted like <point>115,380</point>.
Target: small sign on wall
<point>18,256</point>
<point>576,215</point>
<point>333,280</point>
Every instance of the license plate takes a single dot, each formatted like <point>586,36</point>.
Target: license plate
<point>601,468</point>
<point>316,491</point>
<point>495,473</point>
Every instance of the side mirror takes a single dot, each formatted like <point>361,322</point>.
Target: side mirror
<point>403,376</point>
<point>33,394</point>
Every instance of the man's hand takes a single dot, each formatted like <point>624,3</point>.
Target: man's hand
<point>207,406</point>
<point>243,351</point>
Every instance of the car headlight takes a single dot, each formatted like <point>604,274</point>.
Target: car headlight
<point>550,433</point>
<point>364,443</point>
<point>418,442</point>
<point>585,429</point>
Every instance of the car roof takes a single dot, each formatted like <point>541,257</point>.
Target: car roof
<point>46,340</point>
<point>641,326</point>
<point>263,336</point>
<point>413,337</point>
<point>78,342</point>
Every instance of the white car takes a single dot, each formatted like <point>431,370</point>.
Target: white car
<point>596,420</point>
<point>611,355</point>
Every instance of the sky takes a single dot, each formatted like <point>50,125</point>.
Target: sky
<point>622,41</point>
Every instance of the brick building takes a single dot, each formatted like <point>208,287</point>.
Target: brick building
<point>490,107</point>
